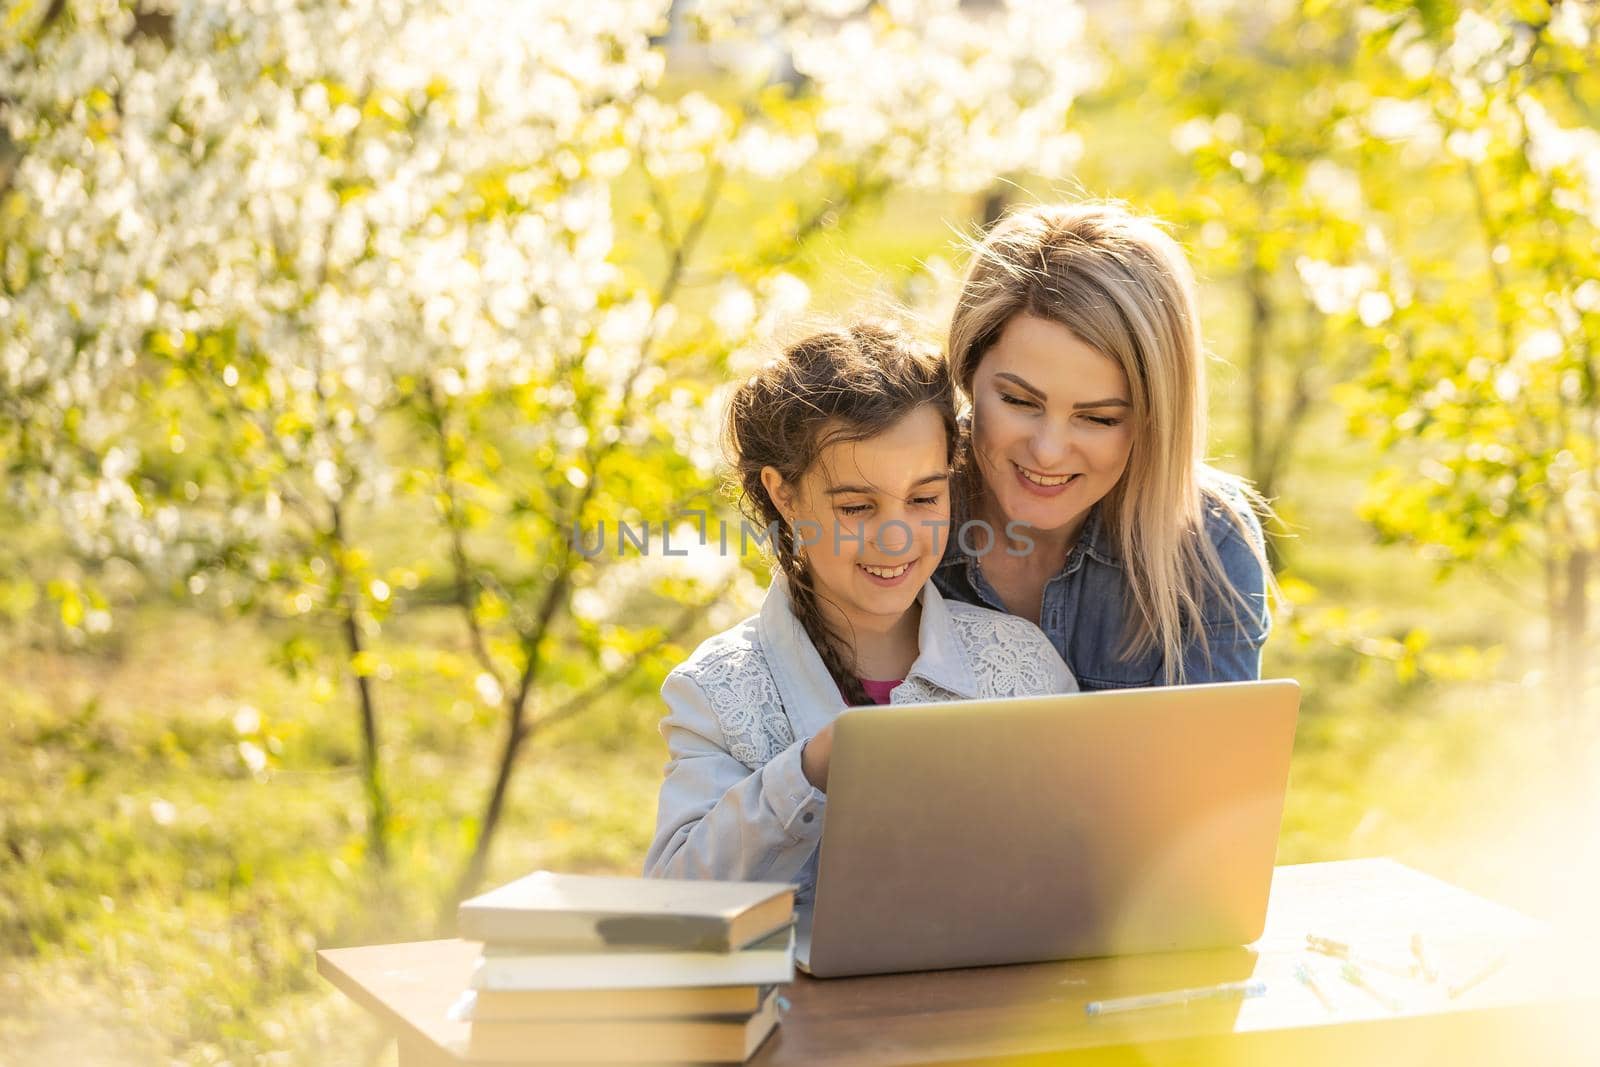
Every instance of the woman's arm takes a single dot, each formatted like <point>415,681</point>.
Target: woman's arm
<point>1235,628</point>
<point>1229,656</point>
<point>718,819</point>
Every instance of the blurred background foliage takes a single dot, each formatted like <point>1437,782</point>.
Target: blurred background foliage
<point>323,326</point>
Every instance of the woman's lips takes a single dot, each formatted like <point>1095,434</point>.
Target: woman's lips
<point>1036,489</point>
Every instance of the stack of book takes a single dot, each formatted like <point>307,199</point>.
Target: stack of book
<point>585,969</point>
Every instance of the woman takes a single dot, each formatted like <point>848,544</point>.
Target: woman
<point>1089,510</point>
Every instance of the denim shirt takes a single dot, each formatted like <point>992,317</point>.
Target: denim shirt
<point>1086,605</point>
<point>735,804</point>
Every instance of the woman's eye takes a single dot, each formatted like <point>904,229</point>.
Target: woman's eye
<point>1102,420</point>
<point>855,509</point>
<point>1016,401</point>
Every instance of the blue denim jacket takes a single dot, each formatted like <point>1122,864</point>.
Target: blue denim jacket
<point>1086,605</point>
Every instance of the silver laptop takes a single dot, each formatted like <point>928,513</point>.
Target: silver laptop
<point>1032,828</point>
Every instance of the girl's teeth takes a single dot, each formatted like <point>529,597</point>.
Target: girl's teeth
<point>883,572</point>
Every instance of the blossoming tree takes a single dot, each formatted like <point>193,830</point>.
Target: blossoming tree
<point>1484,382</point>
<point>334,310</point>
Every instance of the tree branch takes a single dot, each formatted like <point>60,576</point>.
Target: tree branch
<point>465,584</point>
<point>533,638</point>
<point>578,701</point>
<point>472,875</point>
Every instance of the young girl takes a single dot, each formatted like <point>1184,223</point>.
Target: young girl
<point>843,448</point>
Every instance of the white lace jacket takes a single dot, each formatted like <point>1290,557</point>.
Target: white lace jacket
<point>734,804</point>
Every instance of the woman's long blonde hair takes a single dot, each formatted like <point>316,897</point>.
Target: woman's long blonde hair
<point>1125,288</point>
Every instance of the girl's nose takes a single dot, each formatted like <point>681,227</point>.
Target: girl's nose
<point>893,535</point>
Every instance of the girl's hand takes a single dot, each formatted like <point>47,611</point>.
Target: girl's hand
<point>814,757</point>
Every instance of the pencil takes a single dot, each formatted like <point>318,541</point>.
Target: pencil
<point>1479,976</point>
<point>1303,973</point>
<point>1423,966</point>
<point>1353,975</point>
<point>1341,951</point>
<point>1175,996</point>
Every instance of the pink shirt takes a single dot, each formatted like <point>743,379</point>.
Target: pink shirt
<point>878,691</point>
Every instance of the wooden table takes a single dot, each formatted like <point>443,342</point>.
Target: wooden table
<point>1541,1006</point>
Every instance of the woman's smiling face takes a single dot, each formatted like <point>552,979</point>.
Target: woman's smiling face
<point>1052,424</point>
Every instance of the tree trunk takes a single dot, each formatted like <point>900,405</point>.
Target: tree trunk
<point>371,767</point>
<point>1263,453</point>
<point>516,733</point>
<point>371,771</point>
<point>1260,325</point>
<point>478,863</point>
<point>1575,632</point>
<point>994,205</point>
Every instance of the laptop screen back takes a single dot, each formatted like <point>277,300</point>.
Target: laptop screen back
<point>1088,824</point>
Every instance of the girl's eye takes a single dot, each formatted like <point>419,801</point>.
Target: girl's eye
<point>855,509</point>
<point>926,501</point>
<point>1016,401</point>
<point>1102,420</point>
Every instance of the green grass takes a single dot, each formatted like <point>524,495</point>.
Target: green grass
<point>162,899</point>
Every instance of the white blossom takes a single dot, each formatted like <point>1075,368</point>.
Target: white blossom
<point>1333,289</point>
<point>1337,188</point>
<point>944,98</point>
<point>1474,38</point>
<point>1374,308</point>
<point>1571,157</point>
<point>343,198</point>
<point>1567,24</point>
<point>1390,119</point>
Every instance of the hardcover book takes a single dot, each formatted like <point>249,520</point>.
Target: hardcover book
<point>573,913</point>
<point>727,1040</point>
<point>660,1003</point>
<point>509,967</point>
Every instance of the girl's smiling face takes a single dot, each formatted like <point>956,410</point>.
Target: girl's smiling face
<point>873,515</point>
<point>1052,424</point>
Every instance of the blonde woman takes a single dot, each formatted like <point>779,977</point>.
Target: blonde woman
<point>1088,508</point>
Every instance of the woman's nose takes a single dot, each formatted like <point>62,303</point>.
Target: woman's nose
<point>1049,446</point>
